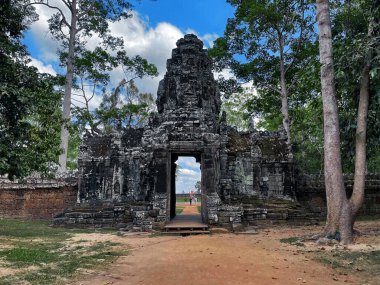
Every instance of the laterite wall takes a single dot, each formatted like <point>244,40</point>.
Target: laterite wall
<point>40,200</point>
<point>311,193</point>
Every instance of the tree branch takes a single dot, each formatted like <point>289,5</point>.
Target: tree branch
<point>85,12</point>
<point>68,4</point>
<point>298,46</point>
<point>60,29</point>
<point>269,86</point>
<point>51,7</point>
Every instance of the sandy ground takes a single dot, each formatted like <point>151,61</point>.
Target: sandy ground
<point>258,259</point>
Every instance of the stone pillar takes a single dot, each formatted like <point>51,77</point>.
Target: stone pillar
<point>210,183</point>
<point>162,181</point>
<point>256,157</point>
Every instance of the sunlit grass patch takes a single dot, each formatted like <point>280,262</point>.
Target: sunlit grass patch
<point>293,241</point>
<point>179,210</point>
<point>45,255</point>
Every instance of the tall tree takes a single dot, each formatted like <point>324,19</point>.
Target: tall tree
<point>122,104</point>
<point>262,43</point>
<point>91,70</point>
<point>350,27</point>
<point>342,211</point>
<point>357,25</point>
<point>73,23</point>
<point>29,106</point>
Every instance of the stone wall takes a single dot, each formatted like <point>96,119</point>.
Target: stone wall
<point>36,198</point>
<point>44,199</point>
<point>311,194</point>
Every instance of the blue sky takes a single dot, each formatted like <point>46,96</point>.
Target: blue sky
<point>188,174</point>
<point>203,16</point>
<point>152,33</point>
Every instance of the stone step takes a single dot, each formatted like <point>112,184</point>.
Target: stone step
<point>186,232</point>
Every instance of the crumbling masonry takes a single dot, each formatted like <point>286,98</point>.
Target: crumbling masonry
<point>127,179</point>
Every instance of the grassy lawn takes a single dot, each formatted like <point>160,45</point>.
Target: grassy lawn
<point>178,210</point>
<point>35,253</point>
<point>366,263</point>
<point>181,200</point>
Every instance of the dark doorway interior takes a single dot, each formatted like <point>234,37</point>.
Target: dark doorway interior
<point>185,182</point>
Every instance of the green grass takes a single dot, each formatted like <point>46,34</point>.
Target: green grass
<point>199,208</point>
<point>42,255</point>
<point>349,259</point>
<point>31,229</point>
<point>22,256</point>
<point>181,200</point>
<point>365,263</point>
<point>179,210</point>
<point>292,240</point>
<point>155,234</point>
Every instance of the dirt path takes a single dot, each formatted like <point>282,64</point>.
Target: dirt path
<point>189,210</point>
<point>216,259</point>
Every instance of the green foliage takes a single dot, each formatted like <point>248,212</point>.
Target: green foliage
<point>250,48</point>
<point>261,34</point>
<point>198,186</point>
<point>30,115</point>
<point>93,17</point>
<point>254,37</point>
<point>236,107</point>
<point>351,23</point>
<point>73,150</point>
<point>72,25</point>
<point>121,107</point>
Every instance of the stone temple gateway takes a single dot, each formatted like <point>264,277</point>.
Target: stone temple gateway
<point>127,178</point>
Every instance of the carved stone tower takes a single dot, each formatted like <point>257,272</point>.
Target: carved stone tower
<point>189,85</point>
<point>133,172</point>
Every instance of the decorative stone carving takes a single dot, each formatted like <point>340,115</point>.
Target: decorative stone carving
<point>134,170</point>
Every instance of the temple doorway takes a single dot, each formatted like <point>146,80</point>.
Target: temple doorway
<point>186,192</point>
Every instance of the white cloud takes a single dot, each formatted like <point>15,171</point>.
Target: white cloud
<point>79,101</point>
<point>191,163</point>
<point>42,67</point>
<point>188,172</point>
<point>43,40</point>
<point>225,73</point>
<point>208,39</point>
<point>153,43</point>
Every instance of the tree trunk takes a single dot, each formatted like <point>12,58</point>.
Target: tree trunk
<point>357,197</point>
<point>68,86</point>
<point>338,208</point>
<point>284,92</point>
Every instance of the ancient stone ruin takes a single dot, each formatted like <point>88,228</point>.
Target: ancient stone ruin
<point>127,179</point>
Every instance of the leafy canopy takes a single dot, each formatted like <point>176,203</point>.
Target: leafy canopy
<point>29,107</point>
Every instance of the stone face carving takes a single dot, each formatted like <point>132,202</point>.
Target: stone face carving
<point>132,172</point>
